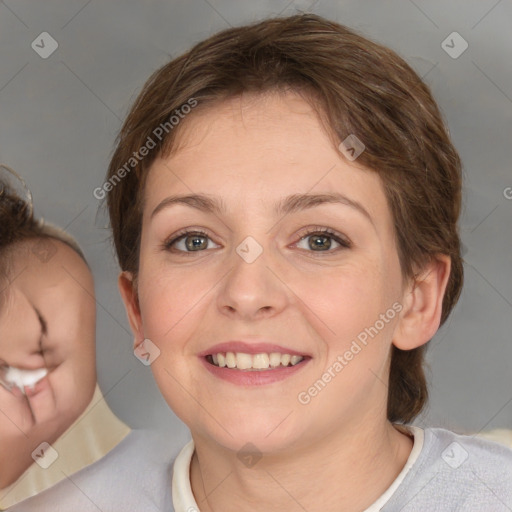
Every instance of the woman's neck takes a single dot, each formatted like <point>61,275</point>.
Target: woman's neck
<point>342,472</point>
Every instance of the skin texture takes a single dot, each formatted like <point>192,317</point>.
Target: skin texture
<point>251,152</point>
<point>47,319</point>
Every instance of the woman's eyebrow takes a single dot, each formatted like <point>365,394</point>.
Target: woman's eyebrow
<point>290,204</point>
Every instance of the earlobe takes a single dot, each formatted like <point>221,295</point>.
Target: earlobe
<point>128,291</point>
<point>423,303</point>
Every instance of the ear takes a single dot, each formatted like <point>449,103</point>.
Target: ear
<point>128,291</point>
<point>423,301</point>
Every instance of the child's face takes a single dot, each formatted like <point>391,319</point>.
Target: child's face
<point>47,320</point>
<point>303,295</point>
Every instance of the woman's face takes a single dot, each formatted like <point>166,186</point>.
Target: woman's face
<point>265,275</point>
<point>47,321</point>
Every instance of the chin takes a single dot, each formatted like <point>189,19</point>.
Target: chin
<point>264,435</point>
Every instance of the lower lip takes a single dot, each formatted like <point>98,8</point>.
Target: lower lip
<point>253,377</point>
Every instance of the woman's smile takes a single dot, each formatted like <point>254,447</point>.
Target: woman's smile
<point>249,370</point>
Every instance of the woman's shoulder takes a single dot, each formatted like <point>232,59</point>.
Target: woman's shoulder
<point>456,472</point>
<point>135,475</point>
<point>465,450</point>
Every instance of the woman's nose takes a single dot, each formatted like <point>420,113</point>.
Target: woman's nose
<point>252,287</point>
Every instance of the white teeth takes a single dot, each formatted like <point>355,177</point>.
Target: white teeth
<point>260,361</point>
<point>243,361</point>
<point>275,359</point>
<point>285,359</point>
<point>295,359</point>
<point>230,360</point>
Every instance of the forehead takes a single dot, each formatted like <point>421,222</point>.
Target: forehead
<point>37,263</point>
<point>253,151</point>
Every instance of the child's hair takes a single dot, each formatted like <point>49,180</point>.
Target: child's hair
<point>357,87</point>
<point>17,223</point>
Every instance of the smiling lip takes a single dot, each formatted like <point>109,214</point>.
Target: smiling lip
<point>250,348</point>
<point>253,378</point>
<point>248,377</point>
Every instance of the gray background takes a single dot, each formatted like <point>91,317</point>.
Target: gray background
<point>59,117</point>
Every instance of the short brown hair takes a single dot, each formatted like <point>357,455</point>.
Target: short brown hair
<point>358,87</point>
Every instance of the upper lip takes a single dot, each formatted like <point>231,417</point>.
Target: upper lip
<point>250,348</point>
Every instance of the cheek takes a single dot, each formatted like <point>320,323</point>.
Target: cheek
<point>74,332</point>
<point>171,299</point>
<point>72,356</point>
<point>350,299</point>
<point>171,309</point>
<point>355,307</point>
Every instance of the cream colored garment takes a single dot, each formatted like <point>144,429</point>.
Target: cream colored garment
<point>499,435</point>
<point>87,440</point>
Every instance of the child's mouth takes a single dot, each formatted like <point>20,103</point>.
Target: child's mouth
<point>23,379</point>
<point>253,362</point>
